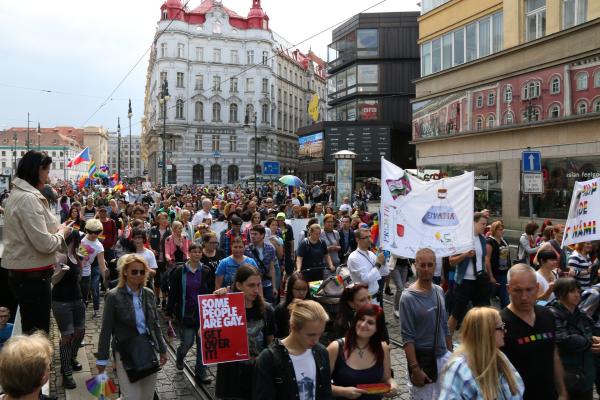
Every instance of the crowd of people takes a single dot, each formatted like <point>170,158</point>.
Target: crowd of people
<point>145,256</point>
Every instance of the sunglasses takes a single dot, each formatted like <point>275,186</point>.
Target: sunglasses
<point>94,232</point>
<point>501,327</point>
<point>135,272</point>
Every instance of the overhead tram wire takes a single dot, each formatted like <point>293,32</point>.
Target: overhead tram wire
<point>52,91</point>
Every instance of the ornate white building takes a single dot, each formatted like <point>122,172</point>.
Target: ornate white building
<point>221,70</point>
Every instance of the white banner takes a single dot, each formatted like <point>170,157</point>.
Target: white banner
<point>583,213</point>
<point>415,214</point>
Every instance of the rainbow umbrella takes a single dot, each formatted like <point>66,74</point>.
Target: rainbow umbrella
<point>101,386</point>
<point>291,180</point>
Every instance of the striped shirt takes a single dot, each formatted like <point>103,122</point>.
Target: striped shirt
<point>458,382</point>
<point>581,264</point>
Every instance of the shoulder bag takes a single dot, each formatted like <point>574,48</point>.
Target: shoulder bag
<point>426,358</point>
<point>138,355</point>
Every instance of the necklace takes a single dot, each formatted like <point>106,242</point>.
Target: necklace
<point>361,352</point>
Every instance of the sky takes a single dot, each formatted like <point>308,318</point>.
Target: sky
<point>60,61</point>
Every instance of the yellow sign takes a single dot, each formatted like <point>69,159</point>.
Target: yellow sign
<point>313,108</point>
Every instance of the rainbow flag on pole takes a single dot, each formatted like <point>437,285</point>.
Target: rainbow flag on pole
<point>92,169</point>
<point>375,233</point>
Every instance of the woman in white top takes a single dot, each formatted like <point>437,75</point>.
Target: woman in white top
<point>140,239</point>
<point>546,275</point>
<point>89,250</point>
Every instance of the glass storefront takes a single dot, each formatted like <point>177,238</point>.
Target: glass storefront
<point>560,175</point>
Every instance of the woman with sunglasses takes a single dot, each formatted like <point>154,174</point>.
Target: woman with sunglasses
<point>211,256</point>
<point>361,357</point>
<point>89,250</point>
<point>296,289</point>
<point>478,369</point>
<point>130,312</point>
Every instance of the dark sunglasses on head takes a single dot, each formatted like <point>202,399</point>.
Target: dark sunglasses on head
<point>135,272</point>
<point>93,232</point>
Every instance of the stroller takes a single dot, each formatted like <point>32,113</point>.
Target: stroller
<point>328,292</point>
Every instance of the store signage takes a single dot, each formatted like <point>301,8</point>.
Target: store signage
<point>533,183</point>
<point>368,112</point>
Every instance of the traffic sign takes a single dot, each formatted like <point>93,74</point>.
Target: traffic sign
<point>271,168</point>
<point>531,161</point>
<point>533,183</point>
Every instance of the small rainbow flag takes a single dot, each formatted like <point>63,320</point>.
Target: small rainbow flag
<point>101,386</point>
<point>92,169</point>
<point>339,280</point>
<point>375,233</point>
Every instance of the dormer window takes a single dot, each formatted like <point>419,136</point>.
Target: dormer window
<point>165,14</point>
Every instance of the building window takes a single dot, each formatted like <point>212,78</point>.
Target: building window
<point>508,94</point>
<point>265,57</point>
<point>216,143</point>
<point>436,55</point>
<point>199,82</point>
<point>484,37</point>
<point>447,51</point>
<point>582,107</point>
<point>233,113</point>
<point>535,19</point>
<point>249,84</point>
<point>471,42</point>
<point>217,55</point>
<point>596,106</point>
<point>367,42</point>
<point>479,101</point>
<point>217,29</point>
<point>234,57</point>
<point>554,111</point>
<point>582,81</point>
<point>164,14</point>
<point>491,120</point>
<point>531,114</point>
<point>179,109</point>
<point>198,142</point>
<point>180,50</point>
<point>531,90</point>
<point>265,86</point>
<point>265,113</point>
<point>479,123</point>
<point>199,53</point>
<point>491,99</point>
<point>233,174</point>
<point>163,50</point>
<point>217,83</point>
<point>250,57</point>
<point>215,174</point>
<point>233,85</point>
<point>180,79</point>
<point>216,117</point>
<point>555,85</point>
<point>509,118</point>
<point>232,143</point>
<point>198,174</point>
<point>574,12</point>
<point>198,111</point>
<point>163,77</point>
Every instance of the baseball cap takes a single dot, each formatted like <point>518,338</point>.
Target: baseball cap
<point>281,215</point>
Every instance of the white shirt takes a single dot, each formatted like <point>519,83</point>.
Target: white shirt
<point>306,374</point>
<point>361,265</point>
<point>88,250</point>
<point>200,216</point>
<point>149,257</point>
<point>345,208</point>
<point>469,275</point>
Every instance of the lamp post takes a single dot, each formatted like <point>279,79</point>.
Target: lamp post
<point>119,147</point>
<point>65,163</point>
<point>14,153</point>
<point>164,97</point>
<point>28,131</point>
<point>129,115</point>
<point>39,135</point>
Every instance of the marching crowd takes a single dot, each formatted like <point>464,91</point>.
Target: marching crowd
<point>154,251</point>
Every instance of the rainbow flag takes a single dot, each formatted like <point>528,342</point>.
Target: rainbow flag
<point>375,233</point>
<point>92,169</point>
<point>101,386</point>
<point>339,280</point>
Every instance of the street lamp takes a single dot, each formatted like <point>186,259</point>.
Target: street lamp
<point>164,97</point>
<point>15,153</point>
<point>39,135</point>
<point>65,163</point>
<point>129,114</point>
<point>247,123</point>
<point>119,147</point>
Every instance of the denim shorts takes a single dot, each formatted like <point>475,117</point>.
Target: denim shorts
<point>69,316</point>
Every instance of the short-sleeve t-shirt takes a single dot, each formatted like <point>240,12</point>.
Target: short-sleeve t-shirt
<point>228,267</point>
<point>531,350</point>
<point>149,257</point>
<point>5,334</point>
<point>306,374</point>
<point>312,254</point>
<point>88,250</point>
<point>259,326</point>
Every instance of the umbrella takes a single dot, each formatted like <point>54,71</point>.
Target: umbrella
<point>291,180</point>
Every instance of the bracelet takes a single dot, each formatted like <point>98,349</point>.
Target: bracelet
<point>411,366</point>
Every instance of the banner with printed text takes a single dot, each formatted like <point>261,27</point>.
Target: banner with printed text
<point>584,213</point>
<point>415,214</point>
<point>223,336</point>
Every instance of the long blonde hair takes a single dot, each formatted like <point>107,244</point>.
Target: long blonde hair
<point>478,346</point>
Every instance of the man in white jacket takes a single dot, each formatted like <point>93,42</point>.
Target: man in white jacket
<point>364,266</point>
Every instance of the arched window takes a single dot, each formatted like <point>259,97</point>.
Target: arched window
<point>265,114</point>
<point>215,174</point>
<point>555,85</point>
<point>233,113</point>
<point>172,175</point>
<point>199,111</point>
<point>216,117</point>
<point>596,106</point>
<point>554,111</point>
<point>582,81</point>
<point>491,121</point>
<point>249,113</point>
<point>179,109</point>
<point>198,174</point>
<point>597,78</point>
<point>479,123</point>
<point>582,107</point>
<point>508,94</point>
<point>531,114</point>
<point>531,90</point>
<point>233,173</point>
<point>509,118</point>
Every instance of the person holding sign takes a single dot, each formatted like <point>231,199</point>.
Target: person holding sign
<point>299,357</point>
<point>234,379</point>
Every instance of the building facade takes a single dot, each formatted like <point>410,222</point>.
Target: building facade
<point>136,170</point>
<point>96,138</point>
<point>500,77</point>
<point>372,62</point>
<point>223,79</point>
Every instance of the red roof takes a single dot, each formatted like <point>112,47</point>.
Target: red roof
<point>257,18</point>
<point>58,136</point>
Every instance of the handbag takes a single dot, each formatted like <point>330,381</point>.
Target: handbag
<point>518,260</point>
<point>574,375</point>
<point>426,358</point>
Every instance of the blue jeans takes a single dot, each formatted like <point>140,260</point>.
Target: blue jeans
<point>501,290</point>
<point>95,286</point>
<point>187,335</point>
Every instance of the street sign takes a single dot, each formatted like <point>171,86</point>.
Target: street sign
<point>216,154</point>
<point>531,161</point>
<point>271,168</point>
<point>160,164</point>
<point>533,183</point>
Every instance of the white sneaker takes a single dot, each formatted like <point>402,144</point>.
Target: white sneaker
<point>397,314</point>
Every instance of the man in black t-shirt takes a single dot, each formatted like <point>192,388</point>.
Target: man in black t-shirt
<point>529,342</point>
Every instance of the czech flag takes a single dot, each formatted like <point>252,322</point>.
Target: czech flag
<point>84,155</point>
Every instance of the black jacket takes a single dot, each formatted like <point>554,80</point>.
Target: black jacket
<point>351,244</point>
<point>177,294</point>
<point>156,241</point>
<point>275,379</point>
